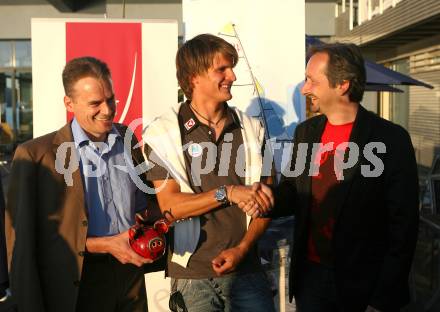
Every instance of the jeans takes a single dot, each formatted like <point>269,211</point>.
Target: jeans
<point>230,293</point>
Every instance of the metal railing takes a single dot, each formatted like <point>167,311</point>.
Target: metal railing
<point>425,276</point>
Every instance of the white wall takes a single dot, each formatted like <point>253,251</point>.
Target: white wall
<point>320,19</point>
<point>272,37</point>
<point>370,101</point>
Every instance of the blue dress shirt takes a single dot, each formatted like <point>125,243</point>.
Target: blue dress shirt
<point>111,197</point>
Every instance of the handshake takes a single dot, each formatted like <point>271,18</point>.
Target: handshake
<point>256,200</point>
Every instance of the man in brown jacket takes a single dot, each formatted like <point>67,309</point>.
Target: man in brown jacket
<point>69,207</point>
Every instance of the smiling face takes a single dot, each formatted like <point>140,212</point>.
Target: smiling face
<point>215,84</point>
<point>317,86</point>
<point>93,104</point>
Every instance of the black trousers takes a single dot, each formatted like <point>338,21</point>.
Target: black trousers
<point>317,291</point>
<point>108,285</point>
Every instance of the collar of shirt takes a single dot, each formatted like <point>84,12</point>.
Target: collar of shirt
<point>80,138</point>
<point>191,122</point>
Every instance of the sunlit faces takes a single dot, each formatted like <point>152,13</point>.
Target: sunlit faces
<point>93,104</point>
<point>215,84</point>
<point>316,85</point>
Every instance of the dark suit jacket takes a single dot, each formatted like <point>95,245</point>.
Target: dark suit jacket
<point>376,221</point>
<point>46,225</point>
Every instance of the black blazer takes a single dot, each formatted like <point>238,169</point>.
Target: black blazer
<point>376,221</point>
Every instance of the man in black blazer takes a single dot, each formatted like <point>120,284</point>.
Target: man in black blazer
<point>355,204</point>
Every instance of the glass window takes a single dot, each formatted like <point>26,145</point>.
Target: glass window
<point>23,87</point>
<point>2,97</point>
<point>6,110</point>
<point>399,102</point>
<point>5,53</point>
<point>23,54</point>
<point>15,91</point>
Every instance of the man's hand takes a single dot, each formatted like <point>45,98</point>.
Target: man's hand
<point>118,246</point>
<point>251,209</point>
<point>228,260</point>
<point>121,250</point>
<point>241,193</point>
<point>263,203</point>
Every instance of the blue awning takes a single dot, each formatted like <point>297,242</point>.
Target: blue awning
<point>379,74</point>
<point>381,87</point>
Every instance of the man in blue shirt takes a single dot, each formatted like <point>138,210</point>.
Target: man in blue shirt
<point>71,201</point>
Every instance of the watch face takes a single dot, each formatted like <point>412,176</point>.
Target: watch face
<point>220,194</point>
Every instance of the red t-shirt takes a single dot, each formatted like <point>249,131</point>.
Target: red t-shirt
<point>322,214</point>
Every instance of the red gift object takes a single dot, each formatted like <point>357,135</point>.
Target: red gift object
<point>148,241</point>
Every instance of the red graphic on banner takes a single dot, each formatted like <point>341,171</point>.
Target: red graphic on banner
<point>120,46</point>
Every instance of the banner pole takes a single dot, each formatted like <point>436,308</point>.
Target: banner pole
<point>282,279</point>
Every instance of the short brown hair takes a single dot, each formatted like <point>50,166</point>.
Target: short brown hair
<point>196,56</point>
<point>82,67</point>
<point>345,62</point>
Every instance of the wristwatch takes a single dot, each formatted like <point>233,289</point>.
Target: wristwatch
<point>221,195</point>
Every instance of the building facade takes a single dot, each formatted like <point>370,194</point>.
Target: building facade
<point>16,103</point>
<point>405,36</point>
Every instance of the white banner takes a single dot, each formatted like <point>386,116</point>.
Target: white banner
<point>270,38</point>
<point>140,54</point>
